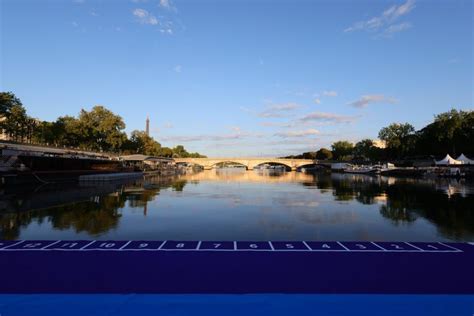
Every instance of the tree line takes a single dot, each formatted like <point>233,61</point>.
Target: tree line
<point>451,133</point>
<point>96,130</point>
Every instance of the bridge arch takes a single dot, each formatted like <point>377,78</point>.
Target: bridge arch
<point>216,164</point>
<point>273,163</point>
<point>250,163</point>
<point>191,164</point>
<point>313,165</point>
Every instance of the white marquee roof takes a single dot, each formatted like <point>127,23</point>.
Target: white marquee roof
<point>448,160</point>
<point>465,160</point>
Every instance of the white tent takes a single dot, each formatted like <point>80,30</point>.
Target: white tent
<point>465,160</point>
<point>448,160</point>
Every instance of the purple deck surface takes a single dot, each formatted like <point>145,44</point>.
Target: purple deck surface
<point>239,267</point>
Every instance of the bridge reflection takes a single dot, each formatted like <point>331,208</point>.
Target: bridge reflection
<point>262,176</point>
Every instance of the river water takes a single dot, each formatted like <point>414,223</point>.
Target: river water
<point>234,204</point>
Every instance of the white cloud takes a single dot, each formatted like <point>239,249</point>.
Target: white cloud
<point>395,28</point>
<point>167,4</point>
<point>178,68</point>
<point>308,132</point>
<point>277,124</point>
<point>365,100</point>
<point>330,93</point>
<point>145,17</point>
<point>386,20</point>
<point>75,24</point>
<point>317,101</point>
<point>327,118</point>
<point>279,110</point>
<point>237,134</point>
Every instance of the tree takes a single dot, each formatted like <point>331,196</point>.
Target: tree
<point>16,123</point>
<point>323,154</point>
<point>102,129</point>
<point>7,101</point>
<point>342,150</point>
<point>166,152</point>
<point>394,136</point>
<point>141,143</point>
<point>68,131</point>
<point>180,152</point>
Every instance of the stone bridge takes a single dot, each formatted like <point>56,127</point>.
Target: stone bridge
<point>250,163</point>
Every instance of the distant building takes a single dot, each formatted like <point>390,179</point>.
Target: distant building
<point>147,129</point>
<point>3,135</point>
<point>379,143</point>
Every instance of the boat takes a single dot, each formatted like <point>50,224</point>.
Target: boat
<point>26,163</point>
<point>362,170</point>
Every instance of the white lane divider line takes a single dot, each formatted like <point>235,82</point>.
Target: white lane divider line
<point>82,248</point>
<point>456,249</point>
<point>271,246</point>
<point>373,243</point>
<point>126,244</point>
<point>343,246</point>
<point>15,244</point>
<point>54,243</point>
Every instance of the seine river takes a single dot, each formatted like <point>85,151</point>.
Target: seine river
<point>244,205</point>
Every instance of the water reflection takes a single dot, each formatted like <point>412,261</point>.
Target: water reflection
<point>244,205</point>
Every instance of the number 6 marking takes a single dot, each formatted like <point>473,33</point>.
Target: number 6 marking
<point>253,246</point>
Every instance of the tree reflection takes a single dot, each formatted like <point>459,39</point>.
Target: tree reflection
<point>405,200</point>
<point>95,210</point>
<point>94,214</point>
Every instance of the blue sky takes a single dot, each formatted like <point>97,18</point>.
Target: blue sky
<point>241,78</point>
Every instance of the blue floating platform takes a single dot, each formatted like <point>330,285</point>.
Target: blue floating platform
<point>241,267</point>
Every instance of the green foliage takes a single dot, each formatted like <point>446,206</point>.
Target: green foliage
<point>451,132</point>
<point>180,152</point>
<point>16,123</point>
<point>395,136</point>
<point>102,129</point>
<point>342,150</point>
<point>141,143</point>
<point>323,154</point>
<point>7,101</point>
<point>366,150</point>
<point>98,129</point>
